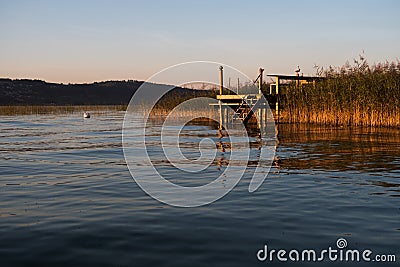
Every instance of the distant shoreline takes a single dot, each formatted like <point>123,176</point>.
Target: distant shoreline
<point>13,110</point>
<point>20,92</point>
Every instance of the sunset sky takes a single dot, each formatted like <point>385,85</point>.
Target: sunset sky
<point>86,41</point>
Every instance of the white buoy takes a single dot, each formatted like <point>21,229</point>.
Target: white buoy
<point>86,115</point>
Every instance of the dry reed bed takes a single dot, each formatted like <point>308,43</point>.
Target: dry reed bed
<point>349,95</point>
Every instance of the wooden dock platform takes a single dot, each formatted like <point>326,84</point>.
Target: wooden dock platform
<point>256,104</point>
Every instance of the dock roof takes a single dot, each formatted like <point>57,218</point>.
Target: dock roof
<point>295,77</point>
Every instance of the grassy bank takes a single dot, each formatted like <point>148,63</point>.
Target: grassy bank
<point>357,94</point>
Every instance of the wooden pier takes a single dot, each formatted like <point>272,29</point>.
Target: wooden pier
<point>255,106</point>
<point>245,107</point>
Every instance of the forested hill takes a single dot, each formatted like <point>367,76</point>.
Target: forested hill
<point>37,92</point>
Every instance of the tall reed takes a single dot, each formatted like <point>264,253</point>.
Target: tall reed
<point>357,94</point>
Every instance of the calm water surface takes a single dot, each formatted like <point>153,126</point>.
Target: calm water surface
<point>67,198</point>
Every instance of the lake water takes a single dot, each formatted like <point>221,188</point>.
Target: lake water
<point>68,199</point>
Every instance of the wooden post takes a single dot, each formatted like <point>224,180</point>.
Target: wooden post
<point>265,118</point>
<point>260,118</point>
<point>260,80</point>
<point>277,93</point>
<point>221,87</point>
<point>221,116</point>
<point>238,85</point>
<point>221,79</point>
<point>226,115</point>
<point>277,98</point>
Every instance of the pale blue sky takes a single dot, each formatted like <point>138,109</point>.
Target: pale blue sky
<point>85,41</point>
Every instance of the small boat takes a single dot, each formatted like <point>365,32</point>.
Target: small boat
<point>86,115</point>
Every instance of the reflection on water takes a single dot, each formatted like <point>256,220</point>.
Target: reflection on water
<point>67,198</point>
<point>338,151</point>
